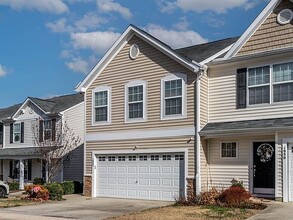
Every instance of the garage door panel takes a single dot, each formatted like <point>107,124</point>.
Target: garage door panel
<point>153,176</point>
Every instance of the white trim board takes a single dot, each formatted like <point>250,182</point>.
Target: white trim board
<point>135,134</point>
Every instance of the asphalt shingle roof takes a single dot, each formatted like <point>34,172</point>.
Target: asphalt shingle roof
<point>201,52</point>
<point>249,125</point>
<point>52,105</point>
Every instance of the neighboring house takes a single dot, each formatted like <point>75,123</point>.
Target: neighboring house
<point>19,156</point>
<point>249,130</point>
<point>141,118</point>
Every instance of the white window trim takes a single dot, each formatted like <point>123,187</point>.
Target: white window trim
<point>17,132</point>
<point>171,77</point>
<point>271,84</point>
<point>229,158</point>
<point>126,106</point>
<point>101,89</point>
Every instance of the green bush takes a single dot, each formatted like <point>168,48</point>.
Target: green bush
<point>55,191</point>
<point>13,186</point>
<point>38,181</point>
<point>68,187</point>
<point>78,187</point>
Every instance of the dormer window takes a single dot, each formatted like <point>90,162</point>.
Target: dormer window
<point>47,129</point>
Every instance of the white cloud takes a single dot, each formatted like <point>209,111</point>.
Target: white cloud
<point>97,41</point>
<point>59,26</point>
<point>207,5</point>
<point>111,6</point>
<point>213,21</point>
<point>182,25</point>
<point>77,64</point>
<point>89,21</point>
<point>174,38</point>
<point>3,71</point>
<point>52,6</point>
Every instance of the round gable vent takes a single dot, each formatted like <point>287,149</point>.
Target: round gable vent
<point>134,51</point>
<point>285,16</point>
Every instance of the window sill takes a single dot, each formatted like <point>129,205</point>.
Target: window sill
<point>101,123</point>
<point>284,103</point>
<point>173,117</point>
<point>133,121</point>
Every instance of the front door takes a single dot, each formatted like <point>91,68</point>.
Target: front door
<point>264,168</point>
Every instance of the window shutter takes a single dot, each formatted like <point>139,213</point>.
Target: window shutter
<point>22,132</point>
<point>53,129</point>
<point>11,133</point>
<point>241,88</point>
<point>41,131</point>
<point>29,169</point>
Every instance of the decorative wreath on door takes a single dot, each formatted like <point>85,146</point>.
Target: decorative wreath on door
<point>265,152</point>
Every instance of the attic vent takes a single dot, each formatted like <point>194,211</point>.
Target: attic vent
<point>285,16</point>
<point>134,51</point>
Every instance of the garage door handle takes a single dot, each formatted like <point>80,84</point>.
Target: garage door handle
<point>136,181</point>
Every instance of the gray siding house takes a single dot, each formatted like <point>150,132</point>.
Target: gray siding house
<point>19,155</point>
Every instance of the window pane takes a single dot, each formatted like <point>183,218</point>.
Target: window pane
<point>259,75</point>
<point>101,114</point>
<point>173,88</point>
<point>136,110</point>
<point>101,98</point>
<point>173,106</point>
<point>259,95</point>
<point>135,93</point>
<point>228,150</point>
<point>16,127</point>
<point>283,72</point>
<point>283,92</point>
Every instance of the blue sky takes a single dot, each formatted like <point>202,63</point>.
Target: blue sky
<point>48,46</point>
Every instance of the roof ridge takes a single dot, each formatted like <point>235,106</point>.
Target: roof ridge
<point>45,100</point>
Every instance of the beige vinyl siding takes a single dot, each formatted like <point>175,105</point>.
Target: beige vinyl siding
<point>270,35</point>
<point>203,101</point>
<point>222,93</point>
<point>74,117</point>
<point>222,171</point>
<point>150,66</point>
<point>177,142</point>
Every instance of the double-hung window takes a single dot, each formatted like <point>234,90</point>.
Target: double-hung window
<point>16,132</point>
<point>135,101</point>
<point>101,105</point>
<point>47,130</point>
<point>283,82</point>
<point>173,96</point>
<point>259,85</point>
<point>270,83</point>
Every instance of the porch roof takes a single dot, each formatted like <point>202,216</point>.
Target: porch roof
<point>24,152</point>
<point>248,126</point>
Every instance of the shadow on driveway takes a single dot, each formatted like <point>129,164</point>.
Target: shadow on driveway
<point>80,207</point>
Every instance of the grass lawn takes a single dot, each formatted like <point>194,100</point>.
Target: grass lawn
<point>13,202</point>
<point>190,212</point>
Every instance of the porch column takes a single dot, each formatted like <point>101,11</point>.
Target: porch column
<point>21,175</point>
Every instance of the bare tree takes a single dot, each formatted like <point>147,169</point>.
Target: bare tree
<point>54,141</point>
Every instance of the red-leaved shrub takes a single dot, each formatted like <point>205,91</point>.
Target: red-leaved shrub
<point>234,196</point>
<point>37,192</point>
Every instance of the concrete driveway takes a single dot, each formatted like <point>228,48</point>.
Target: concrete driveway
<point>79,207</point>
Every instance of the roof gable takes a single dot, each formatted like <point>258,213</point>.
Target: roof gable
<point>121,42</point>
<point>267,11</point>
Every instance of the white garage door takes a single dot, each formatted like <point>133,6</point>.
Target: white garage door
<point>141,176</point>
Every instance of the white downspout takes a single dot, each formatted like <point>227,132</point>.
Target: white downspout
<point>202,71</point>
